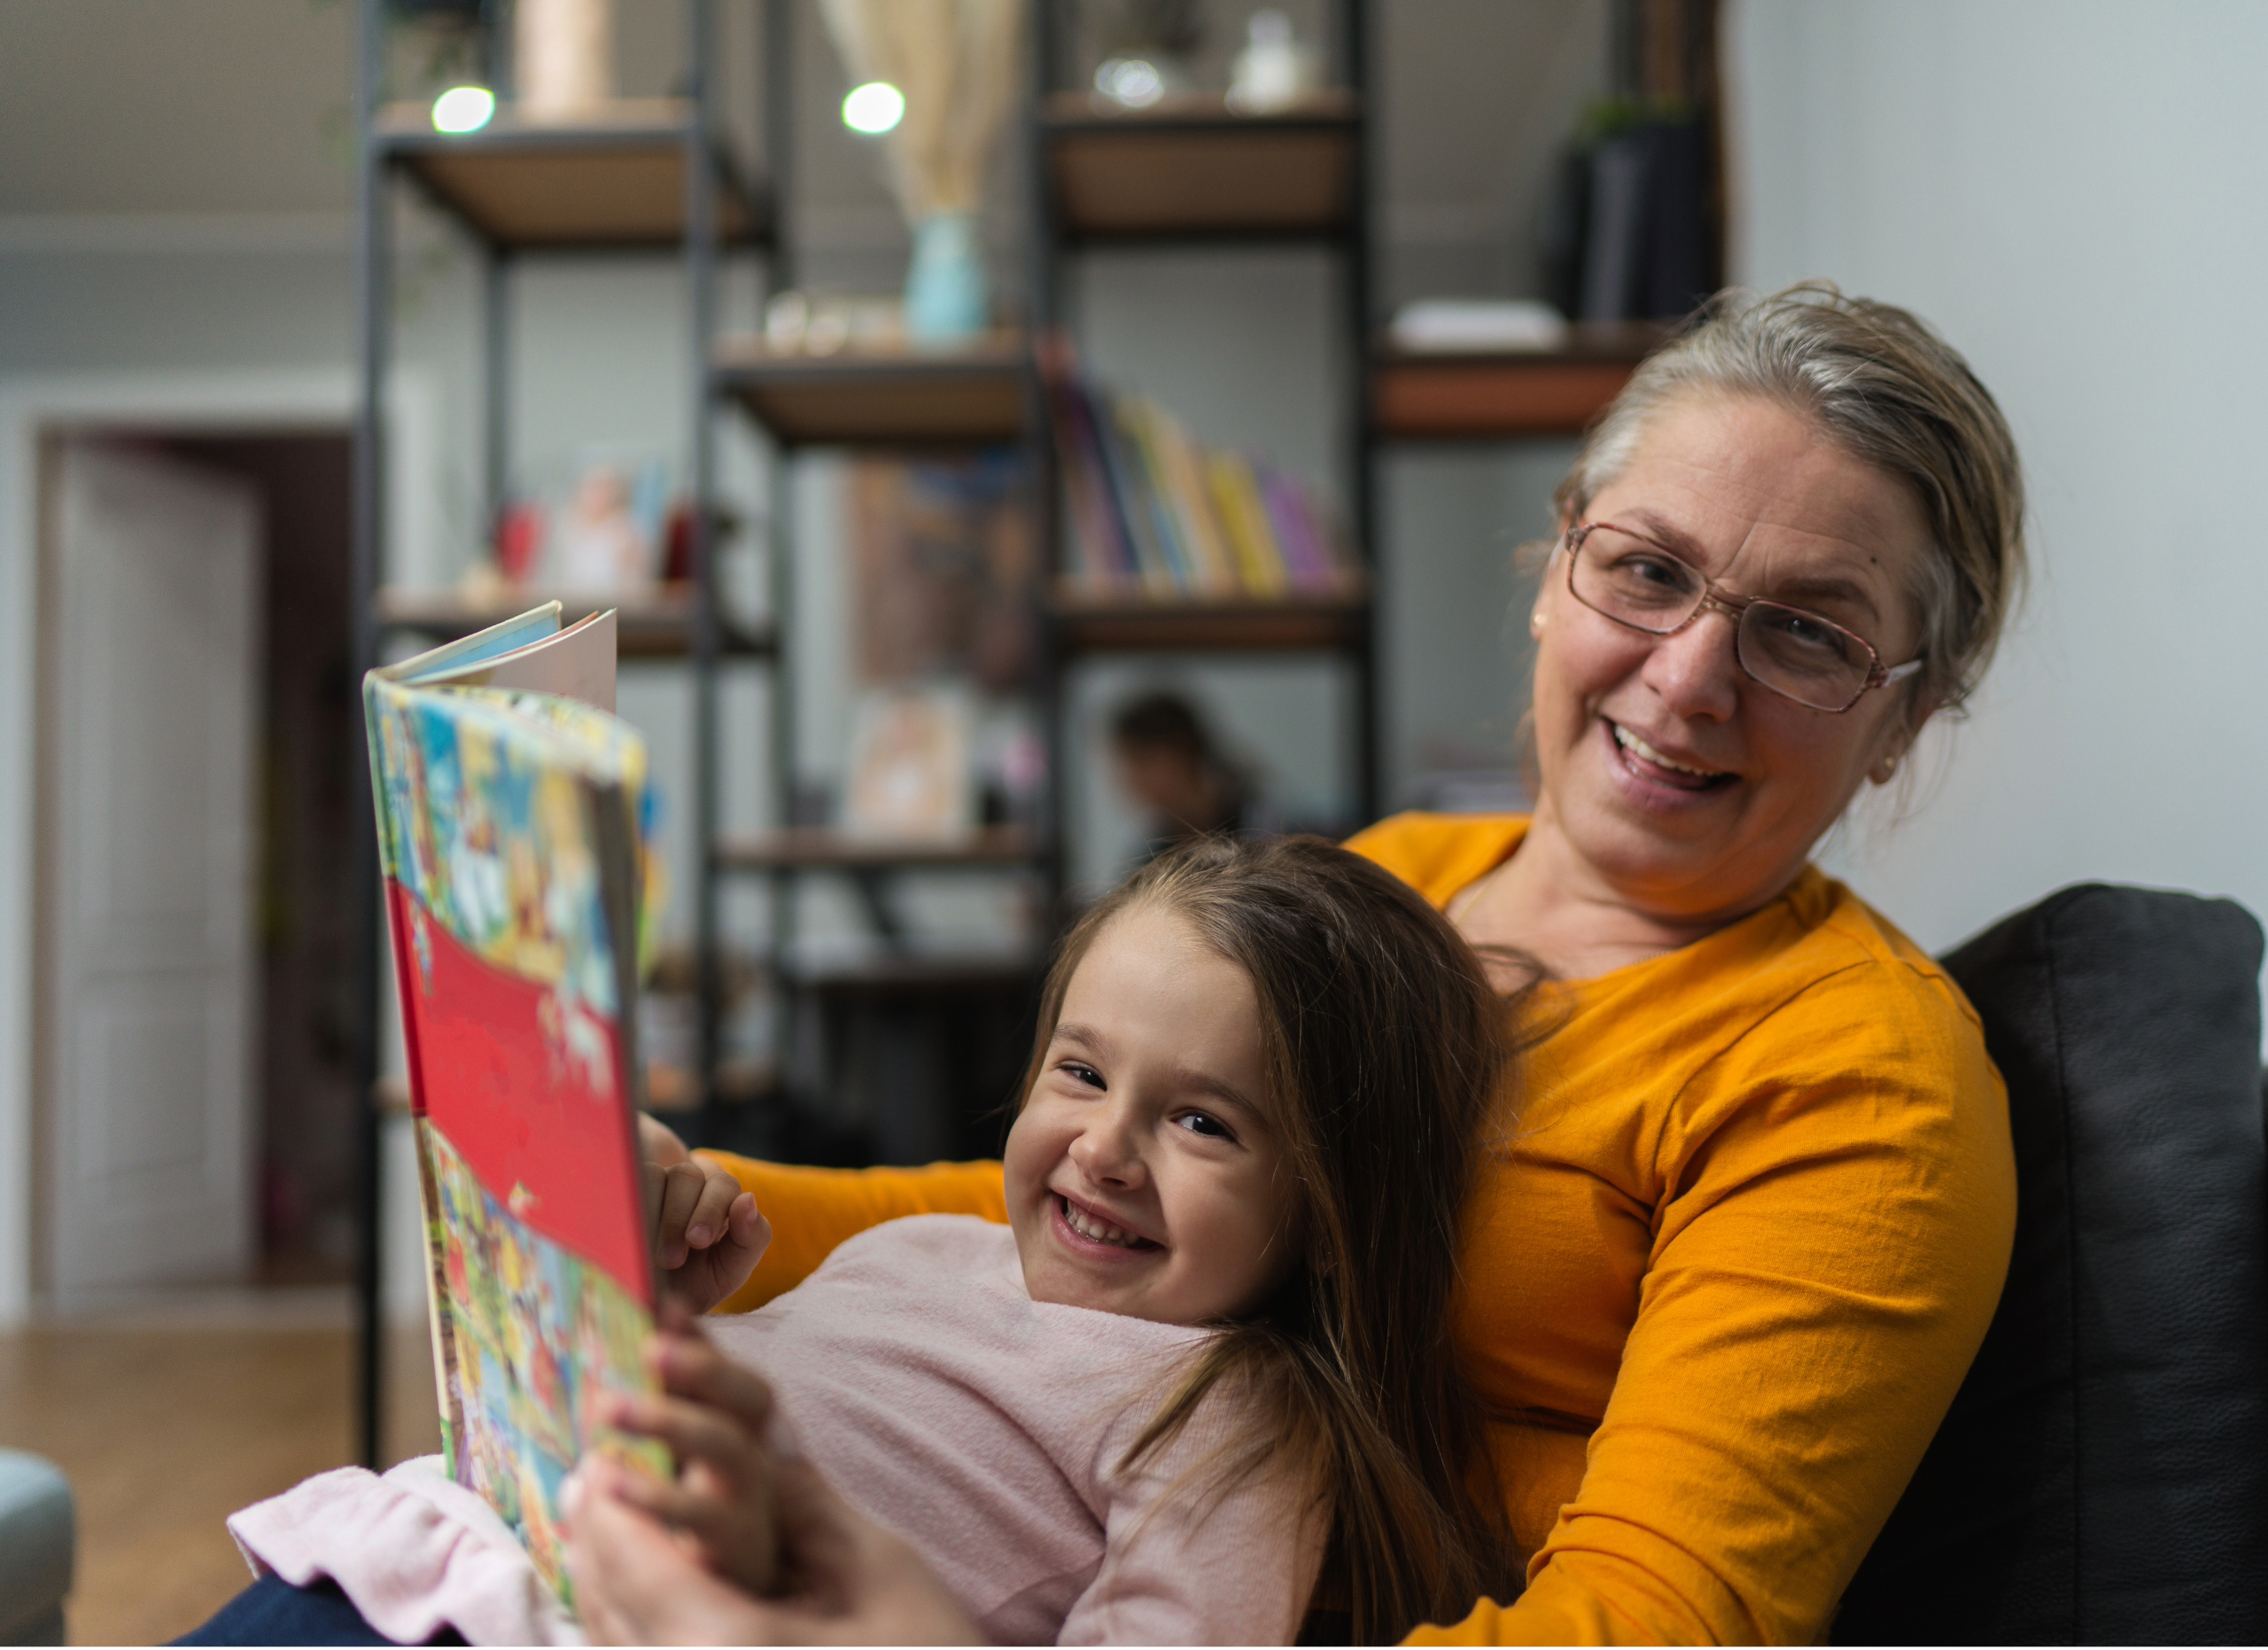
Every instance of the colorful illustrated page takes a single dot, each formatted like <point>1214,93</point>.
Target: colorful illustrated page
<point>512,826</point>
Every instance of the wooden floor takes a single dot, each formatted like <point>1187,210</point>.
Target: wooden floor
<point>167,1422</point>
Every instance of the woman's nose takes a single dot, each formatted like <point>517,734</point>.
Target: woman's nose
<point>1694,671</point>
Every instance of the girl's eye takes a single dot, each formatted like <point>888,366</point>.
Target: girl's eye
<point>1081,1073</point>
<point>1201,1122</point>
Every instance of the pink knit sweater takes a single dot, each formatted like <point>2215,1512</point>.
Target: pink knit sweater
<point>986,1427</point>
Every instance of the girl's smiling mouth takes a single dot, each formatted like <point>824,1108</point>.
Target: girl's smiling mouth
<point>1088,1230</point>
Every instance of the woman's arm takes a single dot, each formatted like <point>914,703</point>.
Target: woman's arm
<point>811,1211</point>
<point>1840,1206</point>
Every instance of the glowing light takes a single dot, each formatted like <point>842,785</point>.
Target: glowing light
<point>874,108</point>
<point>1131,82</point>
<point>463,109</point>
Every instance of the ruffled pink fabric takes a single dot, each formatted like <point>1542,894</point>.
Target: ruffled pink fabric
<point>412,1550</point>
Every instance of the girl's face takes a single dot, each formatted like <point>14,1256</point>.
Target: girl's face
<point>1142,1174</point>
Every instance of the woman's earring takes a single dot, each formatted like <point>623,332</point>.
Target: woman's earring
<point>1535,622</point>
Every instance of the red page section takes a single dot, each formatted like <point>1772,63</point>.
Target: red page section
<point>526,1087</point>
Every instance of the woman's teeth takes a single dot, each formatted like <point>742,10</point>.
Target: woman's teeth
<point>1638,747</point>
<point>1099,1230</point>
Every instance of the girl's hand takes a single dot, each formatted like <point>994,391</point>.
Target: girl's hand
<point>713,1420</point>
<point>708,1234</point>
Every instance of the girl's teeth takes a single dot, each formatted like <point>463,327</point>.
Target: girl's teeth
<point>1631,743</point>
<point>1087,1227</point>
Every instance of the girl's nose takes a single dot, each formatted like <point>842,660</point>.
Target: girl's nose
<point>1107,1150</point>
<point>1694,672</point>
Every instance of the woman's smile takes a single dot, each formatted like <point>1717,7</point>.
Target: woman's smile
<point>1651,769</point>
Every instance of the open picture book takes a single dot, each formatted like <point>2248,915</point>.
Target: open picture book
<point>513,818</point>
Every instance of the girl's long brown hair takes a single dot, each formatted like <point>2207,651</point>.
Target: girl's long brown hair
<point>1385,1050</point>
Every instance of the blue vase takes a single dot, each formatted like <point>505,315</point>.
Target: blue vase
<point>946,301</point>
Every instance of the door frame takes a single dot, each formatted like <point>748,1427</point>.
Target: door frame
<point>33,407</point>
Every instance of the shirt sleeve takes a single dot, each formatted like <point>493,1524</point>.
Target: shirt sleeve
<point>813,1210</point>
<point>1838,1209</point>
<point>1182,1567</point>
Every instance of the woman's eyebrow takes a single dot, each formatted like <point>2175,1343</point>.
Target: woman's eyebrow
<point>1810,587</point>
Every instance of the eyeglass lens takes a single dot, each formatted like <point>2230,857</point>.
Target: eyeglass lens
<point>1799,654</point>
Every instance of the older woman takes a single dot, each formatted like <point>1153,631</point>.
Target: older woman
<point>1738,1252</point>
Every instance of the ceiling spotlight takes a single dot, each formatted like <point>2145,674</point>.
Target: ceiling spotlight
<point>463,109</point>
<point>874,108</point>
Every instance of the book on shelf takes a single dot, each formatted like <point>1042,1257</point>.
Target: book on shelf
<point>514,817</point>
<point>1154,512</point>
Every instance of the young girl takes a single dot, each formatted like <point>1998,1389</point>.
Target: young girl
<point>1208,1359</point>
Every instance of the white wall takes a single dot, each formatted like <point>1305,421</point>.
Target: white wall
<point>2073,194</point>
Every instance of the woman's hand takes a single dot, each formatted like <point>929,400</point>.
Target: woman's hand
<point>713,1420</point>
<point>852,1581</point>
<point>708,1234</point>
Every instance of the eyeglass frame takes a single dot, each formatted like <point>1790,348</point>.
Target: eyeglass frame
<point>1734,605</point>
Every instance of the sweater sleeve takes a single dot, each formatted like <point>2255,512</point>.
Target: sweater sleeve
<point>813,1210</point>
<point>1184,1566</point>
<point>1837,1215</point>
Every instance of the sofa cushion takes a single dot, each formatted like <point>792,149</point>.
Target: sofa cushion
<point>36,1549</point>
<point>2103,1474</point>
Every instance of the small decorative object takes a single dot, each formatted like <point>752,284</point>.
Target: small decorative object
<point>1273,71</point>
<point>822,324</point>
<point>606,540</point>
<point>563,58</point>
<point>956,63</point>
<point>910,774</point>
<point>1452,325</point>
<point>1149,57</point>
<point>519,540</point>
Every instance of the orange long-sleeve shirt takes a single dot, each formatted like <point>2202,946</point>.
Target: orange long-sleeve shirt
<point>1722,1279</point>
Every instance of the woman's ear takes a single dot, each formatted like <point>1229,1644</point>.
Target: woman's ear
<point>1898,738</point>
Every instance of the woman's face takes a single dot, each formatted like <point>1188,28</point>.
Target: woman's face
<point>1142,1173</point>
<point>1691,790</point>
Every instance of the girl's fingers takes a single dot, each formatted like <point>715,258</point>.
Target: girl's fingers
<point>681,1186</point>
<point>712,1206</point>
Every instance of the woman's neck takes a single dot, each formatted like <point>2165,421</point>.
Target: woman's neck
<point>1551,903</point>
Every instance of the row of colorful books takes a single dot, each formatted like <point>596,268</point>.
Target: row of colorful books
<point>1154,509</point>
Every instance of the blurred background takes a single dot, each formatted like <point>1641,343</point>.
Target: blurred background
<point>1015,435</point>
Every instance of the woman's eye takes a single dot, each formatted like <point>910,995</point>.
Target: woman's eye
<point>1079,1072</point>
<point>1201,1123</point>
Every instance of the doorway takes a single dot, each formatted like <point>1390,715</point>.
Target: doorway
<point>195,924</point>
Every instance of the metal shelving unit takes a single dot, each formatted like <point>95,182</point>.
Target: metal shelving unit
<point>651,177</point>
<point>1189,172</point>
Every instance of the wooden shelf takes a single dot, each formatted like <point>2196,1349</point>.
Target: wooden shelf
<point>1089,621</point>
<point>815,849</point>
<point>975,396</point>
<point>618,180</point>
<point>657,624</point>
<point>1426,396</point>
<point>1189,168</point>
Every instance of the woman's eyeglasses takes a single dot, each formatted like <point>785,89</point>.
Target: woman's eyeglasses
<point>1797,654</point>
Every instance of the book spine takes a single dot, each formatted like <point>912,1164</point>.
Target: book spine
<point>1134,422</point>
<point>1121,464</point>
<point>1094,530</point>
<point>1120,565</point>
<point>1216,568</point>
<point>1287,513</point>
<point>1238,499</point>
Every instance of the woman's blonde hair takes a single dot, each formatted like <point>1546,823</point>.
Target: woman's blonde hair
<point>1892,394</point>
<point>1385,1047</point>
